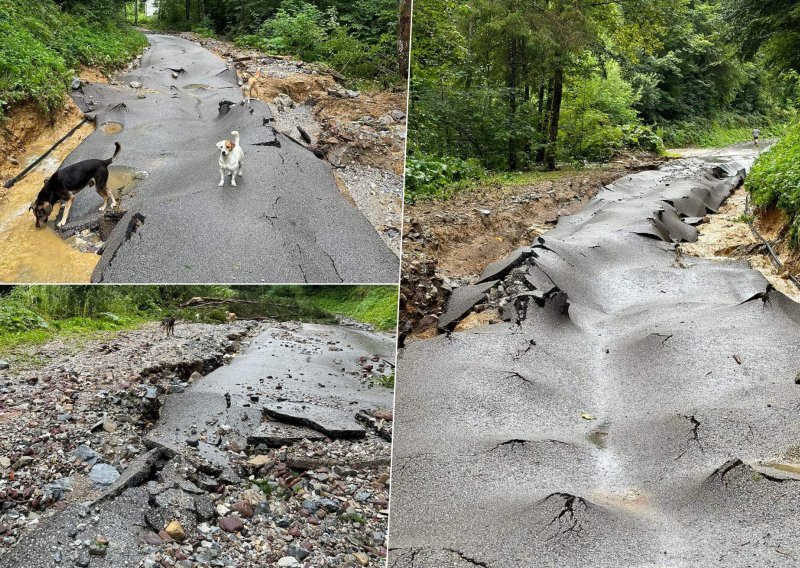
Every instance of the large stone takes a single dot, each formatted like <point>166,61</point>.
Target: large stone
<point>231,524</point>
<point>103,474</point>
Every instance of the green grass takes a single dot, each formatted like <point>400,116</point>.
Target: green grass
<point>43,46</point>
<point>376,305</point>
<point>774,180</point>
<point>498,180</point>
<point>725,130</point>
<point>83,329</point>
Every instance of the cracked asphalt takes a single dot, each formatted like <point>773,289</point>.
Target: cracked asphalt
<point>286,221</point>
<point>643,413</point>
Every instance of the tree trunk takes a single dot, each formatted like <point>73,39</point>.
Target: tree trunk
<point>404,38</point>
<point>528,143</point>
<point>547,96</point>
<point>555,115</point>
<point>512,105</point>
<point>188,10</point>
<point>136,13</point>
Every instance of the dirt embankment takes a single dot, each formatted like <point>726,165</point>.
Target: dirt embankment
<point>448,243</point>
<point>30,254</point>
<point>362,134</point>
<point>728,235</point>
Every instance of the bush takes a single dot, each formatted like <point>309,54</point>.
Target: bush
<point>774,180</point>
<point>432,177</point>
<point>297,29</point>
<point>42,46</point>
<point>638,137</point>
<point>15,319</point>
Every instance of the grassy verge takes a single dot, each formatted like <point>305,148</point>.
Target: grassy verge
<point>43,46</point>
<point>376,305</point>
<point>725,130</point>
<point>84,329</point>
<point>498,180</point>
<point>774,180</point>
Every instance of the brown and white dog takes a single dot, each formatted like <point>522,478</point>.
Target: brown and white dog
<point>62,186</point>
<point>231,159</point>
<point>230,316</point>
<point>248,85</point>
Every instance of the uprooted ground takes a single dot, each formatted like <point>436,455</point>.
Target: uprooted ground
<point>361,133</point>
<point>448,243</point>
<point>74,413</point>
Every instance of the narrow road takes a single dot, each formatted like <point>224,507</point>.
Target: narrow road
<point>639,408</point>
<point>286,221</point>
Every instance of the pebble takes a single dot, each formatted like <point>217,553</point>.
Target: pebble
<point>175,530</point>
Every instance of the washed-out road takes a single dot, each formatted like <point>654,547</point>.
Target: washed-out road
<point>286,221</point>
<point>638,408</point>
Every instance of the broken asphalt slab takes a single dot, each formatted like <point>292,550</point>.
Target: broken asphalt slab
<point>625,422</point>
<point>286,221</point>
<point>293,381</point>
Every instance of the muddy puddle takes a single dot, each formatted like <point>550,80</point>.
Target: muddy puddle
<point>39,255</point>
<point>112,127</point>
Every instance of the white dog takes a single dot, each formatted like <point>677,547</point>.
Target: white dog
<point>231,159</point>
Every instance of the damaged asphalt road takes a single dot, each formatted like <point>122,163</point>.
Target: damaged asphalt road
<point>286,221</point>
<point>225,482</point>
<point>638,408</point>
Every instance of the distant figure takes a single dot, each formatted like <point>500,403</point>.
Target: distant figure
<point>197,317</point>
<point>230,316</point>
<point>756,136</point>
<point>168,326</point>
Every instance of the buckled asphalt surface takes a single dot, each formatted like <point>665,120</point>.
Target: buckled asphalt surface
<point>286,221</point>
<point>645,415</point>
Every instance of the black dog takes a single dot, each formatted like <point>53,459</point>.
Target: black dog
<point>65,183</point>
<point>168,326</point>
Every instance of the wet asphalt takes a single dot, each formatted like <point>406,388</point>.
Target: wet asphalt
<point>286,221</point>
<point>645,415</point>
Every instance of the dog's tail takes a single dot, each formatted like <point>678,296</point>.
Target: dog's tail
<point>117,148</point>
<point>235,137</point>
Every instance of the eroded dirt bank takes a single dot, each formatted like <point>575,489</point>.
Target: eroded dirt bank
<point>90,474</point>
<point>447,243</point>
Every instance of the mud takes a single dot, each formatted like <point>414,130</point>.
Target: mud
<point>39,255</point>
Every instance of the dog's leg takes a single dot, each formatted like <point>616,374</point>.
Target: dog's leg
<point>233,178</point>
<point>65,214</point>
<point>221,178</point>
<point>241,168</point>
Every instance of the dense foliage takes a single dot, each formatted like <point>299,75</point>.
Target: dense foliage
<point>775,180</point>
<point>36,313</point>
<point>43,44</point>
<point>357,38</point>
<point>521,84</point>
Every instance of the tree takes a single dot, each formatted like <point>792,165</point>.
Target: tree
<point>404,36</point>
<point>769,26</point>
